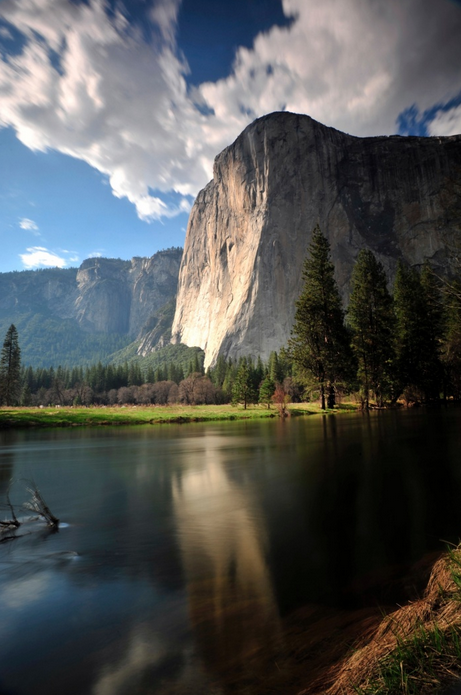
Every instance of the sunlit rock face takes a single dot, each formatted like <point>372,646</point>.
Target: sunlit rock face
<point>250,227</point>
<point>223,546</point>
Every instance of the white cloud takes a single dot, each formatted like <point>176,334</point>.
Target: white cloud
<point>95,254</point>
<point>446,122</point>
<point>5,33</point>
<point>123,106</point>
<point>40,257</point>
<point>29,225</point>
<point>354,65</point>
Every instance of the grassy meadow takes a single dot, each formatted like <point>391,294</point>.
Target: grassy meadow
<point>149,415</point>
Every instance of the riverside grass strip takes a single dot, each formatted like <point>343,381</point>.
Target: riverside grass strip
<point>145,415</point>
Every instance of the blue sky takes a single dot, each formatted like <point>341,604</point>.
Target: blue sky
<point>111,112</point>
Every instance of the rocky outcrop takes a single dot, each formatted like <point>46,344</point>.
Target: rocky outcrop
<point>116,296</point>
<point>250,226</point>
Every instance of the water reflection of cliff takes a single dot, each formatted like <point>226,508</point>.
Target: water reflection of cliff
<point>6,460</point>
<point>231,600</point>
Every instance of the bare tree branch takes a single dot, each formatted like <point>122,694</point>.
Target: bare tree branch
<point>38,505</point>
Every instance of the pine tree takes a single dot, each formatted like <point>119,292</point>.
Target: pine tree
<point>417,345</point>
<point>451,346</point>
<point>218,372</point>
<point>320,344</point>
<point>231,372</point>
<point>242,388</point>
<point>408,311</point>
<point>26,396</point>
<point>432,326</point>
<point>266,391</point>
<point>371,317</point>
<point>274,368</point>
<point>10,368</point>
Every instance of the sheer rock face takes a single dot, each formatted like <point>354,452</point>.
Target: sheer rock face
<point>250,227</point>
<point>117,296</point>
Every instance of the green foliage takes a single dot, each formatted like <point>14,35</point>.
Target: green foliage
<point>180,355</point>
<point>432,328</point>
<point>10,368</point>
<point>419,664</point>
<point>418,311</point>
<point>266,391</point>
<point>243,389</point>
<point>371,318</point>
<point>275,368</point>
<point>320,344</point>
<point>46,341</point>
<point>451,347</point>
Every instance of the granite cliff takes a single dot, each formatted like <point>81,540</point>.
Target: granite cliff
<point>114,296</point>
<point>250,226</point>
<point>73,316</point>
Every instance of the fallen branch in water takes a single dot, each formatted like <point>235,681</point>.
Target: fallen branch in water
<point>9,523</point>
<point>5,539</point>
<point>38,505</point>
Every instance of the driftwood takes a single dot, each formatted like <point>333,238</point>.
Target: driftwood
<point>9,524</point>
<point>36,504</point>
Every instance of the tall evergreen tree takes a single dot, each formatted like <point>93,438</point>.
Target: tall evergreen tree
<point>408,310</point>
<point>266,390</point>
<point>10,368</point>
<point>243,388</point>
<point>218,372</point>
<point>371,317</point>
<point>417,322</point>
<point>432,326</point>
<point>319,344</point>
<point>451,346</point>
<point>274,368</point>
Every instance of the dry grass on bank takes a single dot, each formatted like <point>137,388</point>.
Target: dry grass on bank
<point>415,650</point>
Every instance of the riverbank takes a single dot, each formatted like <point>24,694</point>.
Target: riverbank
<point>414,650</point>
<point>96,416</point>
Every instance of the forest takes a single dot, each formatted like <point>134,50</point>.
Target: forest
<point>391,345</point>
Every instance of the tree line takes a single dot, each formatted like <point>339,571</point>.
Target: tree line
<point>229,380</point>
<point>387,345</point>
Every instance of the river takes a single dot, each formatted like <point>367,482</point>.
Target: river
<point>186,550</point>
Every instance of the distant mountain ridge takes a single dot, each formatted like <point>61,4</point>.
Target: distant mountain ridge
<point>75,316</point>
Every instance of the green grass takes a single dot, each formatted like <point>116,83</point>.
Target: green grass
<point>419,664</point>
<point>428,658</point>
<point>140,415</point>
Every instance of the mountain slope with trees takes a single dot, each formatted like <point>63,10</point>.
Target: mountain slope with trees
<point>79,316</point>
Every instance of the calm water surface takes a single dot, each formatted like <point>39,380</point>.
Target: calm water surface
<point>185,548</point>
